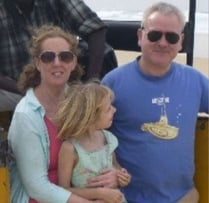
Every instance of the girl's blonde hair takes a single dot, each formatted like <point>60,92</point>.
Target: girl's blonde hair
<point>81,108</point>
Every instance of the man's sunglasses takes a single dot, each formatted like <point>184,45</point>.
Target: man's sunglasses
<point>49,56</point>
<point>171,37</point>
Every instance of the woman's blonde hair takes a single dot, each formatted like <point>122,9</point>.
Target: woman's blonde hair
<point>30,76</point>
<point>81,108</point>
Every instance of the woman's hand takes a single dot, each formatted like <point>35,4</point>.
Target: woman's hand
<point>107,178</point>
<point>109,195</point>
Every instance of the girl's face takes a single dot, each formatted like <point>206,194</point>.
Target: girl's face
<point>106,116</point>
<point>56,62</point>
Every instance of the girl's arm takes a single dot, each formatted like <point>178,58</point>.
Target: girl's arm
<point>122,174</point>
<point>66,162</point>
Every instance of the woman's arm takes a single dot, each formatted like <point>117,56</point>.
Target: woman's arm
<point>112,177</point>
<point>76,199</point>
<point>31,158</point>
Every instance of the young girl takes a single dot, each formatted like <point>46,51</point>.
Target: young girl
<point>87,149</point>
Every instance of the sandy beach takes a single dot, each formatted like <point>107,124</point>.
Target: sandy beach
<point>200,63</point>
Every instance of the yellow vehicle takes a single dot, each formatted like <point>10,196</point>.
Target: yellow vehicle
<point>201,158</point>
<point>4,173</point>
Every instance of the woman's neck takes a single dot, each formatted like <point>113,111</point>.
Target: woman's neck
<point>49,98</point>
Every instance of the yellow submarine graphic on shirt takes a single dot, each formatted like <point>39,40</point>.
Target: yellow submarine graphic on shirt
<point>161,128</point>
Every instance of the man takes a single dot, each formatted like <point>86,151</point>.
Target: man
<point>157,102</point>
<point>16,19</point>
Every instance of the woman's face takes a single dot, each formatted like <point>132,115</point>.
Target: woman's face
<point>56,62</point>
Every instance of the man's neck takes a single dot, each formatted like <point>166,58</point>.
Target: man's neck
<point>153,69</point>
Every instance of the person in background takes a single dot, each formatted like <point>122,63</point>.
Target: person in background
<point>87,148</point>
<point>157,103</point>
<point>16,19</point>
<point>32,135</point>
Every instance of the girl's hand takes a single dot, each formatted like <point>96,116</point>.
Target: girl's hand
<point>124,177</point>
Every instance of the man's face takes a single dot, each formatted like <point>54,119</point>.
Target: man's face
<point>160,51</point>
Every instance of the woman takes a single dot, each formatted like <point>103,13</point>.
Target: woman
<point>32,134</point>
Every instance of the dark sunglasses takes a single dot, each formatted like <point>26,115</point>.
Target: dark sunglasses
<point>49,56</point>
<point>171,37</point>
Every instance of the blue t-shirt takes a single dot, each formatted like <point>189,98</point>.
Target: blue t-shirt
<point>155,126</point>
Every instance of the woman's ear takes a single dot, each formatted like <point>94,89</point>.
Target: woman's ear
<point>36,62</point>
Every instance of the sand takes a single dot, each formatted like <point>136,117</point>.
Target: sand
<point>200,63</point>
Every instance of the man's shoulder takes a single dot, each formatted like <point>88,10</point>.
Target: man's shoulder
<point>123,68</point>
<point>188,69</point>
<point>120,74</point>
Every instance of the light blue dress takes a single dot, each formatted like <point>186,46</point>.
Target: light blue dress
<point>90,163</point>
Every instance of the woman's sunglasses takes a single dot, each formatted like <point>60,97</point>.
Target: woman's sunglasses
<point>171,37</point>
<point>49,56</point>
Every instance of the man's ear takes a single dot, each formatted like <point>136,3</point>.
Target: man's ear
<point>139,36</point>
<point>75,61</point>
<point>181,41</point>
